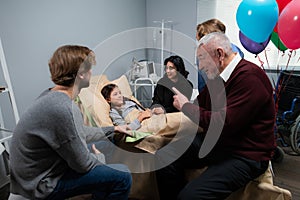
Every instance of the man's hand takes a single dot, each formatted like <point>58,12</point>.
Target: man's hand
<point>123,129</point>
<point>95,150</point>
<point>179,99</point>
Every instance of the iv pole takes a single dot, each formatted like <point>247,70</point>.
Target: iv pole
<point>162,43</point>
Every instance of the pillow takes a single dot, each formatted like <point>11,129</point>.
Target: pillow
<point>124,86</point>
<point>95,104</point>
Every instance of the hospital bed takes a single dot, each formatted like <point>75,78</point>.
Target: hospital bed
<point>94,106</point>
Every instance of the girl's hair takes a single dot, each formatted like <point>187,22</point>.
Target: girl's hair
<point>67,61</point>
<point>179,64</point>
<point>107,89</point>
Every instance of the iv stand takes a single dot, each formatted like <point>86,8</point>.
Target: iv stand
<point>162,44</point>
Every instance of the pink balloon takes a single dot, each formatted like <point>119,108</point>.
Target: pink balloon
<point>281,6</point>
<point>289,25</point>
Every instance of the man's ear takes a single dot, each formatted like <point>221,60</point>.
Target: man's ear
<point>80,75</point>
<point>220,53</point>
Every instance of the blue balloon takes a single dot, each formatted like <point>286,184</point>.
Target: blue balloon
<point>257,18</point>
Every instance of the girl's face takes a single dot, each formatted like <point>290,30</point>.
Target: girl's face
<point>171,71</point>
<point>116,97</point>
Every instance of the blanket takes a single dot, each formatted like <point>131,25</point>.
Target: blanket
<point>163,128</point>
<point>155,134</point>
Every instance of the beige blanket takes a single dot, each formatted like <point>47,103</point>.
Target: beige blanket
<point>164,128</point>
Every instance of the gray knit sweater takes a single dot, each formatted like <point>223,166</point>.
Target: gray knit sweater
<point>49,140</point>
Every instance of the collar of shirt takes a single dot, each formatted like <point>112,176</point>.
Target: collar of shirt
<point>231,66</point>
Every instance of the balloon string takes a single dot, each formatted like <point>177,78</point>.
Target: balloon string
<point>281,87</point>
<point>268,64</point>
<point>289,55</point>
<point>279,57</point>
<point>261,62</point>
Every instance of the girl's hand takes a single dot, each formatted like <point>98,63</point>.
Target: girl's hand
<point>144,115</point>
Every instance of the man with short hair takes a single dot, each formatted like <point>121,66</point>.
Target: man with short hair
<point>49,158</point>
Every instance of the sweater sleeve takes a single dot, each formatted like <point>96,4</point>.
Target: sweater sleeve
<point>117,120</point>
<point>93,134</point>
<point>240,107</point>
<point>70,144</point>
<point>77,156</point>
<point>135,124</point>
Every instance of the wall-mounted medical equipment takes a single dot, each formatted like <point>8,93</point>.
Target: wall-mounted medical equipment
<point>143,69</point>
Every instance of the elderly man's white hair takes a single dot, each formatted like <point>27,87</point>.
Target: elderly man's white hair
<point>216,40</point>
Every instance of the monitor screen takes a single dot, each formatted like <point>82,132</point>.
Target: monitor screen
<point>151,68</point>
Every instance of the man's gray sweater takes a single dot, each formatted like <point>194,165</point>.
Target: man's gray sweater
<point>49,140</point>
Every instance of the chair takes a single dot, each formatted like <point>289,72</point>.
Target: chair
<point>287,101</point>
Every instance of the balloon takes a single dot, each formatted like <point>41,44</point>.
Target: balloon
<point>281,5</point>
<point>257,18</point>
<point>251,46</point>
<point>277,42</point>
<point>289,25</point>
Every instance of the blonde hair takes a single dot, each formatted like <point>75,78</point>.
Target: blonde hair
<point>210,26</point>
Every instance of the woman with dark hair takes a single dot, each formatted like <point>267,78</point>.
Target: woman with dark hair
<point>175,76</point>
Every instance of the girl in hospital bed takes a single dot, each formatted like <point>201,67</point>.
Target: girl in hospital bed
<point>126,111</point>
<point>152,128</point>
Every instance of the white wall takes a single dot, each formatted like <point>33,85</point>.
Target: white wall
<point>31,31</point>
<point>271,58</point>
<point>180,32</point>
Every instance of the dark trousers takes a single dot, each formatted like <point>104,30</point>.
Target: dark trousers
<point>224,175</point>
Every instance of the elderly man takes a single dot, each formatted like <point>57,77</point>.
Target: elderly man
<point>236,111</point>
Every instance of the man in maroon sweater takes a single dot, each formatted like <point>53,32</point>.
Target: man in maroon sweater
<point>236,111</point>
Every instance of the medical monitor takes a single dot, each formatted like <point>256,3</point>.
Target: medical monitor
<point>151,68</point>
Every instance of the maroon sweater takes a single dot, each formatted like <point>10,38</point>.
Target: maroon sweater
<point>248,111</point>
